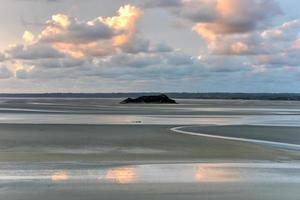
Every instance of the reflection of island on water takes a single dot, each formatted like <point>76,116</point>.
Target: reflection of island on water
<point>122,175</point>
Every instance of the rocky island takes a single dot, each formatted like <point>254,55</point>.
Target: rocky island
<point>162,98</point>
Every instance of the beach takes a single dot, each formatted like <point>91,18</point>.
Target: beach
<point>90,148</point>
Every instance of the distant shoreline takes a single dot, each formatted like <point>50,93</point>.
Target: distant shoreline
<point>225,96</point>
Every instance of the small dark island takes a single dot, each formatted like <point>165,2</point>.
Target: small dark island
<point>159,99</point>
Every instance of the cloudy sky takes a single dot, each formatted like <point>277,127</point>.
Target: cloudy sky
<point>149,45</point>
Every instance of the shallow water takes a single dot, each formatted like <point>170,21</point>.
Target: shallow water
<point>87,162</point>
<point>108,111</point>
<point>156,173</point>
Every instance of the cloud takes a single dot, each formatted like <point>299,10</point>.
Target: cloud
<point>137,45</point>
<point>5,73</point>
<point>105,47</point>
<point>286,31</point>
<point>66,62</point>
<point>50,1</point>
<point>272,40</point>
<point>239,34</point>
<point>2,57</point>
<point>164,3</point>
<point>221,63</point>
<point>140,60</point>
<point>236,17</point>
<point>111,54</point>
<point>143,45</point>
<point>289,58</point>
<point>28,37</point>
<point>31,52</point>
<point>144,65</point>
<point>98,37</point>
<point>216,19</point>
<point>296,44</point>
<point>64,29</point>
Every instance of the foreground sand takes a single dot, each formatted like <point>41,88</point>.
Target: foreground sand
<point>62,162</point>
<point>43,157</point>
<point>123,143</point>
<point>150,191</point>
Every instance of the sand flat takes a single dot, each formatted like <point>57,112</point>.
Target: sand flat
<point>95,148</point>
<point>267,133</point>
<point>121,143</point>
<point>81,180</point>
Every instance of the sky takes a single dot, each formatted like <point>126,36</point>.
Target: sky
<point>149,46</point>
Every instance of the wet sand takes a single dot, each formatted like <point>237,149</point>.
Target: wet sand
<point>267,133</point>
<point>171,181</point>
<point>210,191</point>
<point>97,149</point>
<point>49,142</point>
<point>273,136</point>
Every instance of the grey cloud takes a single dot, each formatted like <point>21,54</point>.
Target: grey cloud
<point>36,51</point>
<point>245,15</point>
<point>5,73</point>
<point>197,11</point>
<point>162,3</point>
<point>50,1</point>
<point>139,45</point>
<point>275,40</point>
<point>136,46</point>
<point>2,57</point>
<point>80,32</point>
<point>133,60</point>
<point>161,47</point>
<point>125,66</point>
<point>284,59</point>
<point>99,37</point>
<point>179,59</point>
<point>57,63</point>
<point>219,63</point>
<point>22,74</point>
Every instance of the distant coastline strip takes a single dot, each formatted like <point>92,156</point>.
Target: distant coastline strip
<point>281,145</point>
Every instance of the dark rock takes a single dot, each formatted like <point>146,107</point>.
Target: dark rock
<point>150,99</point>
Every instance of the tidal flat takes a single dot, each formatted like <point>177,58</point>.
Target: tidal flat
<point>68,148</point>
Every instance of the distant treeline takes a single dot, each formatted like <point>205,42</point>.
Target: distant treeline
<point>244,96</point>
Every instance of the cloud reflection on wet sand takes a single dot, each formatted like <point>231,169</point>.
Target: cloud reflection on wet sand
<point>123,175</point>
<point>158,173</point>
<point>60,176</point>
<point>209,173</point>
